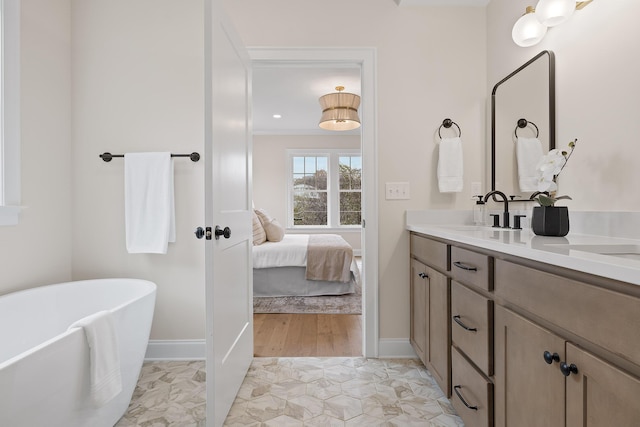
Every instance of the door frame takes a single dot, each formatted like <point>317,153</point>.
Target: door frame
<point>366,59</point>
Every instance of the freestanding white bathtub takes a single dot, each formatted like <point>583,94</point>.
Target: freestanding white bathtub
<point>44,367</point>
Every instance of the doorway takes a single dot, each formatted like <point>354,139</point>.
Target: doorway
<point>364,60</point>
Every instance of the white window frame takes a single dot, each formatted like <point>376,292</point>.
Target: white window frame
<point>10,112</point>
<point>333,187</point>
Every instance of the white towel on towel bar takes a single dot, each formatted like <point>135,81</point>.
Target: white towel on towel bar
<point>104,356</point>
<point>450,165</point>
<point>149,202</point>
<point>528,154</point>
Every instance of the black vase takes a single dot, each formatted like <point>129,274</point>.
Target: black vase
<point>550,220</point>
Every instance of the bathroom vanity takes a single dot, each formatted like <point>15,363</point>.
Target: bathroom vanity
<point>522,330</point>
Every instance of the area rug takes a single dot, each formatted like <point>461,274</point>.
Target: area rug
<point>339,304</point>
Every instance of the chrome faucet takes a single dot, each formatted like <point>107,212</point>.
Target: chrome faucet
<point>506,205</point>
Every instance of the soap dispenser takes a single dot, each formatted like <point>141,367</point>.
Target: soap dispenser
<point>478,211</point>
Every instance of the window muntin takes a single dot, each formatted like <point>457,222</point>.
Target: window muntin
<point>325,188</point>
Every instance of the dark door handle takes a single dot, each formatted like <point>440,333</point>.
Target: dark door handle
<point>567,369</point>
<point>202,232</point>
<point>226,232</point>
<point>199,232</point>
<point>550,358</point>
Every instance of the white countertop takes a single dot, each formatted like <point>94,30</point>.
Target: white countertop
<point>623,262</point>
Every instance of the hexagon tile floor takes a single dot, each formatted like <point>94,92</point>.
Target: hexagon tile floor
<point>300,391</point>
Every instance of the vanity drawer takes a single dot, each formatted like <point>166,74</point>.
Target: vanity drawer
<point>472,326</point>
<point>472,395</point>
<point>472,268</point>
<point>430,252</point>
<point>604,317</point>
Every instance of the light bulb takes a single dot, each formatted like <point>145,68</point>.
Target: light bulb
<point>554,12</point>
<point>528,31</point>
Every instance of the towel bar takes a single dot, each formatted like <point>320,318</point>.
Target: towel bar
<point>447,124</point>
<point>107,157</point>
<point>523,123</point>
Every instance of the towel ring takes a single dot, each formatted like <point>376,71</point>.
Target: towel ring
<point>447,124</point>
<point>523,123</point>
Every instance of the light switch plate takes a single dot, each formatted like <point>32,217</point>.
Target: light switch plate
<point>397,191</point>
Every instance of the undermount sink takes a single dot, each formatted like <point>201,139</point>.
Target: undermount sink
<point>629,251</point>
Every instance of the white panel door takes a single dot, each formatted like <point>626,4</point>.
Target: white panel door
<point>229,277</point>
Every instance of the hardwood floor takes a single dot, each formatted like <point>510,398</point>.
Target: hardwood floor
<point>307,335</point>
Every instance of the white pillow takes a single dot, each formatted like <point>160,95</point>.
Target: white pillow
<point>275,231</point>
<point>259,234</point>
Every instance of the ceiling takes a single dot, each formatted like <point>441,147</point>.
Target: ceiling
<point>292,90</point>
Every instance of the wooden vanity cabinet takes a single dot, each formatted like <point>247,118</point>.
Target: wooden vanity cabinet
<point>430,306</point>
<point>600,394</point>
<point>528,391</point>
<point>534,345</point>
<point>543,377</point>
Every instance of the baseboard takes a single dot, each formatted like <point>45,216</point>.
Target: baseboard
<point>395,348</point>
<point>176,350</point>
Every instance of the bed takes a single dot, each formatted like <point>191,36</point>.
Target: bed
<point>304,265</point>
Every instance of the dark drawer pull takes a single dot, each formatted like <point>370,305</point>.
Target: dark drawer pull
<point>464,266</point>
<point>456,319</point>
<point>423,275</point>
<point>464,402</point>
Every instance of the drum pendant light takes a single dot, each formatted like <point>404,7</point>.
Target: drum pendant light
<point>339,110</point>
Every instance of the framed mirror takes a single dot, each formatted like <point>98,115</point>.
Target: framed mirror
<point>527,93</point>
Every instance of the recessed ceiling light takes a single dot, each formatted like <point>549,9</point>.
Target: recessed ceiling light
<point>277,116</point>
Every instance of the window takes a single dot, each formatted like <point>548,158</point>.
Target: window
<point>325,188</point>
<point>9,112</point>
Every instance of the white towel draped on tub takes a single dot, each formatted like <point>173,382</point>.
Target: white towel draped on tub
<point>528,154</point>
<point>149,203</point>
<point>450,165</point>
<point>106,380</point>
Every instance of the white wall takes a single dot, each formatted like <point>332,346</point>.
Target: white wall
<point>597,69</point>
<point>270,171</point>
<point>138,84</point>
<point>38,250</point>
<point>431,65</point>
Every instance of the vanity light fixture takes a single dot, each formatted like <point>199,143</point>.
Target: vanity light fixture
<point>531,28</point>
<point>339,110</point>
<point>554,12</point>
<point>528,31</point>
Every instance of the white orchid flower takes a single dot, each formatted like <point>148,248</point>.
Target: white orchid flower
<point>548,168</point>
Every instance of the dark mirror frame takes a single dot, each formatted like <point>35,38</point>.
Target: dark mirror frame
<point>552,108</point>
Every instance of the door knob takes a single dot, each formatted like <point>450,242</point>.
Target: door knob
<point>226,232</point>
<point>201,232</point>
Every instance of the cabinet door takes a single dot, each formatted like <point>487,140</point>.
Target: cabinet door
<point>419,309</point>
<point>528,391</point>
<point>599,394</point>
<point>439,328</point>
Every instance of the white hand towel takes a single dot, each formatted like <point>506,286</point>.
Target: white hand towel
<point>106,380</point>
<point>149,203</point>
<point>450,166</point>
<point>528,154</point>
